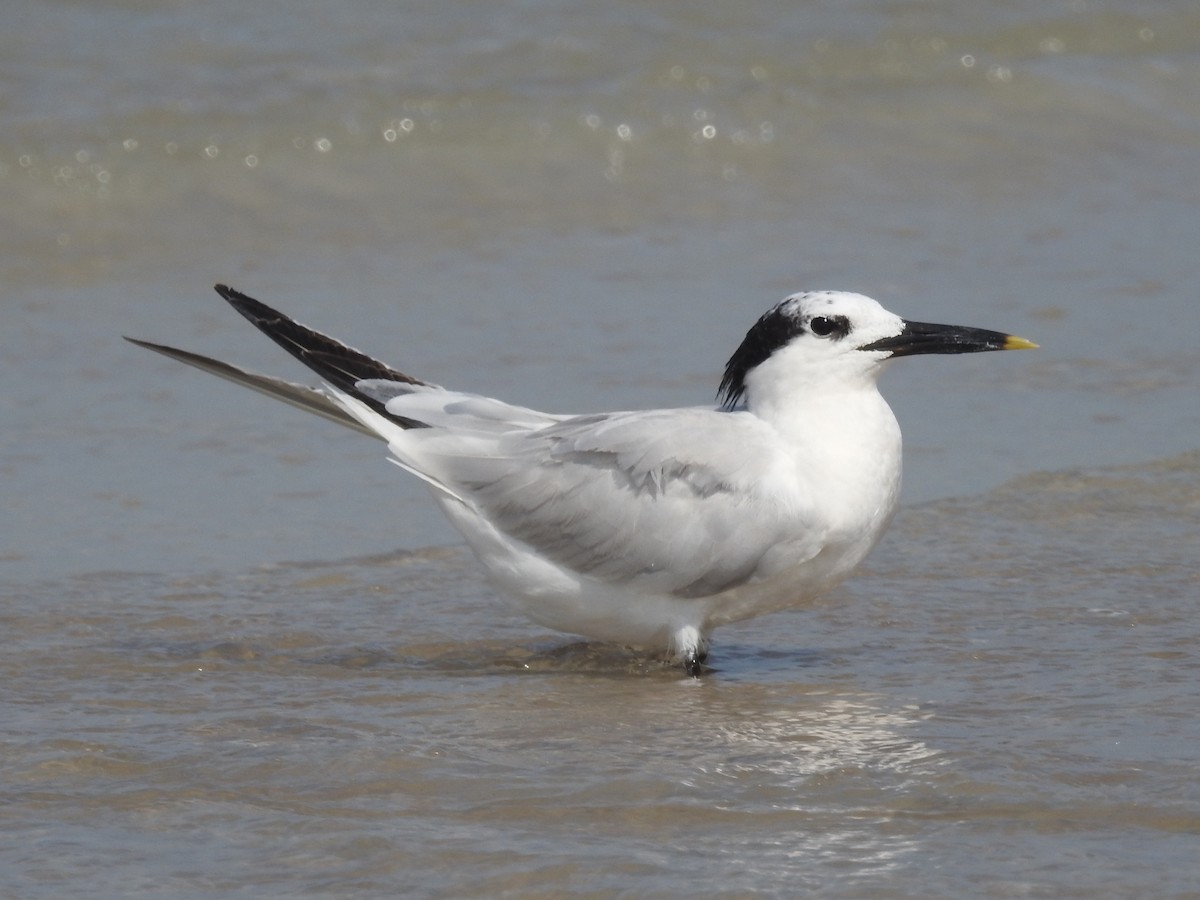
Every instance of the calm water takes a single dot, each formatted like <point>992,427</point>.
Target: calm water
<point>244,656</point>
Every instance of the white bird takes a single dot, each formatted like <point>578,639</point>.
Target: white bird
<point>652,527</point>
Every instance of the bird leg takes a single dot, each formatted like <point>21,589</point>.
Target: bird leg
<point>693,663</point>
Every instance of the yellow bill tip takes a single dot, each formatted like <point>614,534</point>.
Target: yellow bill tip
<point>1012,342</point>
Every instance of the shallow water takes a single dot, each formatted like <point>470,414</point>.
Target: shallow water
<point>243,654</point>
<point>982,713</point>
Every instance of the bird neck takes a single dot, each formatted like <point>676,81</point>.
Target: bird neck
<point>847,450</point>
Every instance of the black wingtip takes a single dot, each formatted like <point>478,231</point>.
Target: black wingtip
<point>338,364</point>
<point>254,310</point>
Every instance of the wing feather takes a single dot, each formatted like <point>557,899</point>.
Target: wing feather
<point>439,407</point>
<point>302,396</point>
<point>653,499</point>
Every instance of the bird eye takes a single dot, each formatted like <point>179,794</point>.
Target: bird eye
<point>822,327</point>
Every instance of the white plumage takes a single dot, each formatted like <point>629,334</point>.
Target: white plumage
<point>652,527</point>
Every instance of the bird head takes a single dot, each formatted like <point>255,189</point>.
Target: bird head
<point>834,337</point>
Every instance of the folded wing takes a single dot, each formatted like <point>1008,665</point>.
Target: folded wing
<point>656,500</point>
<point>664,501</point>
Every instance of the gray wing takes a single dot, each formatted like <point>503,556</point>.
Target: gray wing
<point>688,502</point>
<point>463,412</point>
<point>424,402</point>
<point>302,396</point>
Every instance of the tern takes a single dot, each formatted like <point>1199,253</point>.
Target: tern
<point>650,528</point>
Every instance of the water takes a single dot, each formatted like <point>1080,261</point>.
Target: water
<point>244,656</point>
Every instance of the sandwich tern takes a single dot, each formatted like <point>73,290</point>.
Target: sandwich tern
<point>651,527</point>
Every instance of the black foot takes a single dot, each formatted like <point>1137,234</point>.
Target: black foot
<point>694,665</point>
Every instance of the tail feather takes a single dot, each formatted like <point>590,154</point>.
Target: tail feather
<point>341,366</point>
